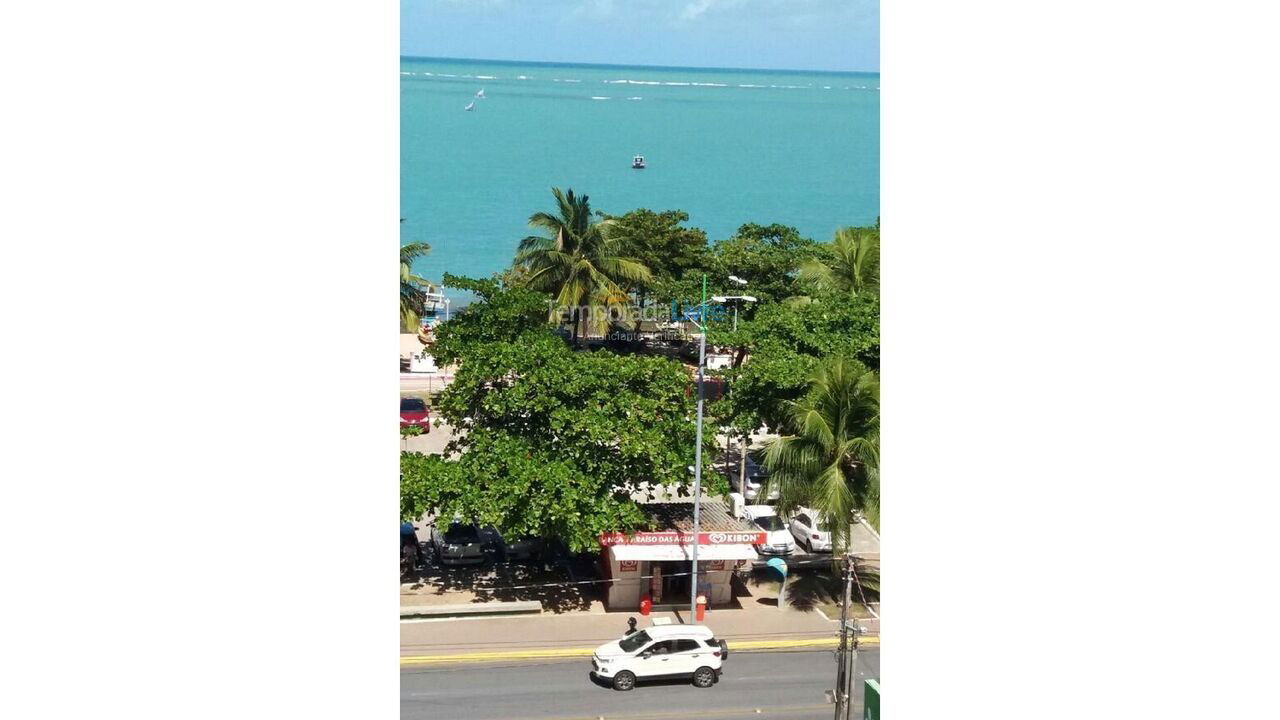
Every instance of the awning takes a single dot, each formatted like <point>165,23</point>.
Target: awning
<point>726,551</point>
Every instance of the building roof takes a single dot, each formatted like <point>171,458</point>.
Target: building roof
<point>713,517</point>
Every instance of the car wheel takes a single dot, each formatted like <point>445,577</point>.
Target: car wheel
<point>624,680</point>
<point>704,677</point>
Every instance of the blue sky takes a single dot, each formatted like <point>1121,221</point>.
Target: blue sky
<point>791,34</point>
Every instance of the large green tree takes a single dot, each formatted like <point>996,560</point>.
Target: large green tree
<point>662,244</point>
<point>579,261</point>
<point>554,442</point>
<point>829,459</point>
<point>412,296</point>
<point>782,346</point>
<point>766,256</point>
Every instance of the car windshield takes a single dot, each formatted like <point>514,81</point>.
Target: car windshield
<point>412,405</point>
<point>771,523</point>
<point>634,642</point>
<point>461,534</point>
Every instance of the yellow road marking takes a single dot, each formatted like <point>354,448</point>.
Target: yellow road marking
<point>586,652</point>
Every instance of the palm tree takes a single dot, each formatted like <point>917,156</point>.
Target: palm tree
<point>853,264</point>
<point>578,261</point>
<point>831,460</point>
<point>412,297</point>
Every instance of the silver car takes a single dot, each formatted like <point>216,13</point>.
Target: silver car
<point>460,544</point>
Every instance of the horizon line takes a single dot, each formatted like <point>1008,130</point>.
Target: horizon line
<point>624,65</point>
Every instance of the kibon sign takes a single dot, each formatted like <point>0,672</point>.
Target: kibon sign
<point>678,538</point>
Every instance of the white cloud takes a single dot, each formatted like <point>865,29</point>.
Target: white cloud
<point>695,9</point>
<point>595,9</point>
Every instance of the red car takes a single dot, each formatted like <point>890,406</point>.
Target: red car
<point>414,413</point>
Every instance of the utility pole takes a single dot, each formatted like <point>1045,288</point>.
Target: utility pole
<point>844,669</point>
<point>697,462</point>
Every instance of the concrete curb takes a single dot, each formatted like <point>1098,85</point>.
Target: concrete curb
<point>742,646</point>
<point>520,607</point>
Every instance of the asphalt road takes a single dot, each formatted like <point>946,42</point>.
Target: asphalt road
<point>788,685</point>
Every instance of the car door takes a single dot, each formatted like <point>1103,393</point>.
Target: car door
<point>800,527</point>
<point>655,660</point>
<point>688,655</point>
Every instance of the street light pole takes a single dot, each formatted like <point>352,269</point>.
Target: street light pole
<point>697,462</point>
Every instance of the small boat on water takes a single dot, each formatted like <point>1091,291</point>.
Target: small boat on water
<point>637,162</point>
<point>480,94</point>
<point>470,106</point>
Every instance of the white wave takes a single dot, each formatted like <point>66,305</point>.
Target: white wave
<point>753,86</point>
<point>635,98</point>
<point>643,82</point>
<point>525,77</point>
<point>565,80</point>
<point>824,87</point>
<point>614,82</point>
<point>428,73</point>
<point>409,73</point>
<point>598,97</point>
<point>491,77</point>
<point>447,75</point>
<point>709,84</point>
<point>675,83</point>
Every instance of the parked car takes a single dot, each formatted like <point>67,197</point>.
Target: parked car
<point>756,476</point>
<point>664,651</point>
<point>459,544</point>
<point>778,539</point>
<point>810,532</point>
<point>524,548</point>
<point>415,413</point>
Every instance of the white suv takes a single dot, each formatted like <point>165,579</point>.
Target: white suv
<point>665,651</point>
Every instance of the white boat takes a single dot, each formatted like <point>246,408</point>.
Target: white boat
<point>637,162</point>
<point>480,94</point>
<point>471,105</point>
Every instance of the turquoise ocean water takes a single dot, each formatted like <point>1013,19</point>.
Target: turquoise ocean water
<point>726,146</point>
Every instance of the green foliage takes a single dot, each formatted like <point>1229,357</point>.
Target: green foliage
<point>660,242</point>
<point>412,298</point>
<point>785,342</point>
<point>554,441</point>
<point>830,458</point>
<point>766,256</point>
<point>849,264</point>
<point>578,261</point>
<point>504,317</point>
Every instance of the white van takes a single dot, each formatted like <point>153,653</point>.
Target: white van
<point>665,651</point>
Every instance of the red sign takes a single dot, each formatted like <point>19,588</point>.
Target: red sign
<point>679,538</point>
<point>628,565</point>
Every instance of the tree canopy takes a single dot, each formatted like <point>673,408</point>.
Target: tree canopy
<point>554,442</point>
<point>785,342</point>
